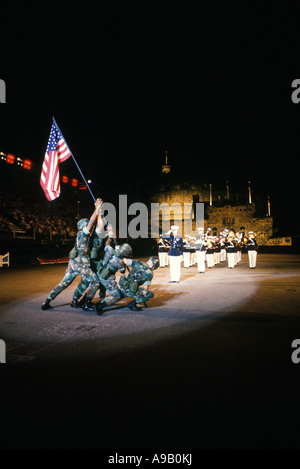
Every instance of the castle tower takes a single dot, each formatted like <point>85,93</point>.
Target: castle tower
<point>166,168</point>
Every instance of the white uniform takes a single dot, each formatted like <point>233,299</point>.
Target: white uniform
<point>252,252</point>
<point>187,262</point>
<point>200,246</point>
<point>230,250</point>
<point>223,251</point>
<point>163,253</point>
<point>210,256</point>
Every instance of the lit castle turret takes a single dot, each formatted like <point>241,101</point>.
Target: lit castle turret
<point>166,168</point>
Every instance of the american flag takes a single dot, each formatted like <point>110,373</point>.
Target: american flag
<point>57,152</point>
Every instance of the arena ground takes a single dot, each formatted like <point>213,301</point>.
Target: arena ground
<point>207,365</point>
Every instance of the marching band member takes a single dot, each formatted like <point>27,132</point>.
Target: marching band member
<point>236,253</point>
<point>230,250</point>
<point>223,235</point>
<point>163,252</point>
<point>200,246</point>
<point>193,255</point>
<point>252,248</point>
<point>187,261</point>
<point>217,254</point>
<point>175,253</point>
<point>210,253</point>
<point>239,238</point>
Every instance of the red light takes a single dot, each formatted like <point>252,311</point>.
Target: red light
<point>74,182</point>
<point>65,179</point>
<point>27,164</point>
<point>10,159</point>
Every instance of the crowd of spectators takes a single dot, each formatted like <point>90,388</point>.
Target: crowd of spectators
<point>35,219</point>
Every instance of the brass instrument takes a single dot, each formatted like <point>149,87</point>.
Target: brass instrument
<point>190,237</point>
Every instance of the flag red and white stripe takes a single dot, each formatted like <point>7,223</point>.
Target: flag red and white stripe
<point>57,152</point>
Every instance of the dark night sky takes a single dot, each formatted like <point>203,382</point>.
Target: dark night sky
<point>209,84</point>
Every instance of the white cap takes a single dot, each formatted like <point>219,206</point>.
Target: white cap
<point>174,228</point>
<point>200,228</point>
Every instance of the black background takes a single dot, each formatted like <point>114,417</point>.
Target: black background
<point>210,84</point>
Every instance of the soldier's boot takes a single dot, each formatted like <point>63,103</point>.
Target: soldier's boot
<point>102,292</point>
<point>46,305</point>
<point>145,304</point>
<point>88,305</point>
<point>99,307</point>
<point>82,301</point>
<point>77,303</point>
<point>133,306</point>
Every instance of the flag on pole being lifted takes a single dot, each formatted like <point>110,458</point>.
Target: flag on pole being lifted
<point>57,152</point>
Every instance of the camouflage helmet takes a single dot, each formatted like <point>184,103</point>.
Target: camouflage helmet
<point>124,250</point>
<point>83,223</point>
<point>154,261</point>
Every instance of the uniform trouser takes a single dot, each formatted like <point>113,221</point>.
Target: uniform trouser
<point>141,296</point>
<point>201,260</point>
<point>187,259</point>
<point>83,286</point>
<point>85,281</point>
<point>217,257</point>
<point>162,259</point>
<point>231,259</point>
<point>193,258</point>
<point>223,255</point>
<point>252,255</point>
<point>112,289</point>
<point>78,266</point>
<point>210,260</point>
<point>175,267</point>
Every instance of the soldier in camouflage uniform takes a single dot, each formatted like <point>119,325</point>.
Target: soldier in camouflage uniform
<point>141,273</point>
<point>107,269</point>
<point>79,263</point>
<point>96,261</point>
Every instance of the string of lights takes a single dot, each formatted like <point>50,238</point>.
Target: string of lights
<point>12,159</point>
<point>27,164</point>
<point>74,183</point>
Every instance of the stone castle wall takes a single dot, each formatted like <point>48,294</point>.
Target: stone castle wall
<point>235,217</point>
<point>217,216</point>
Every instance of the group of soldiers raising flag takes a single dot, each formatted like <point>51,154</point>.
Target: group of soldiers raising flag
<point>97,261</point>
<point>204,250</point>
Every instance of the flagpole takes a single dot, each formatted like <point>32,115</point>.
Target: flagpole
<point>249,190</point>
<point>87,185</point>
